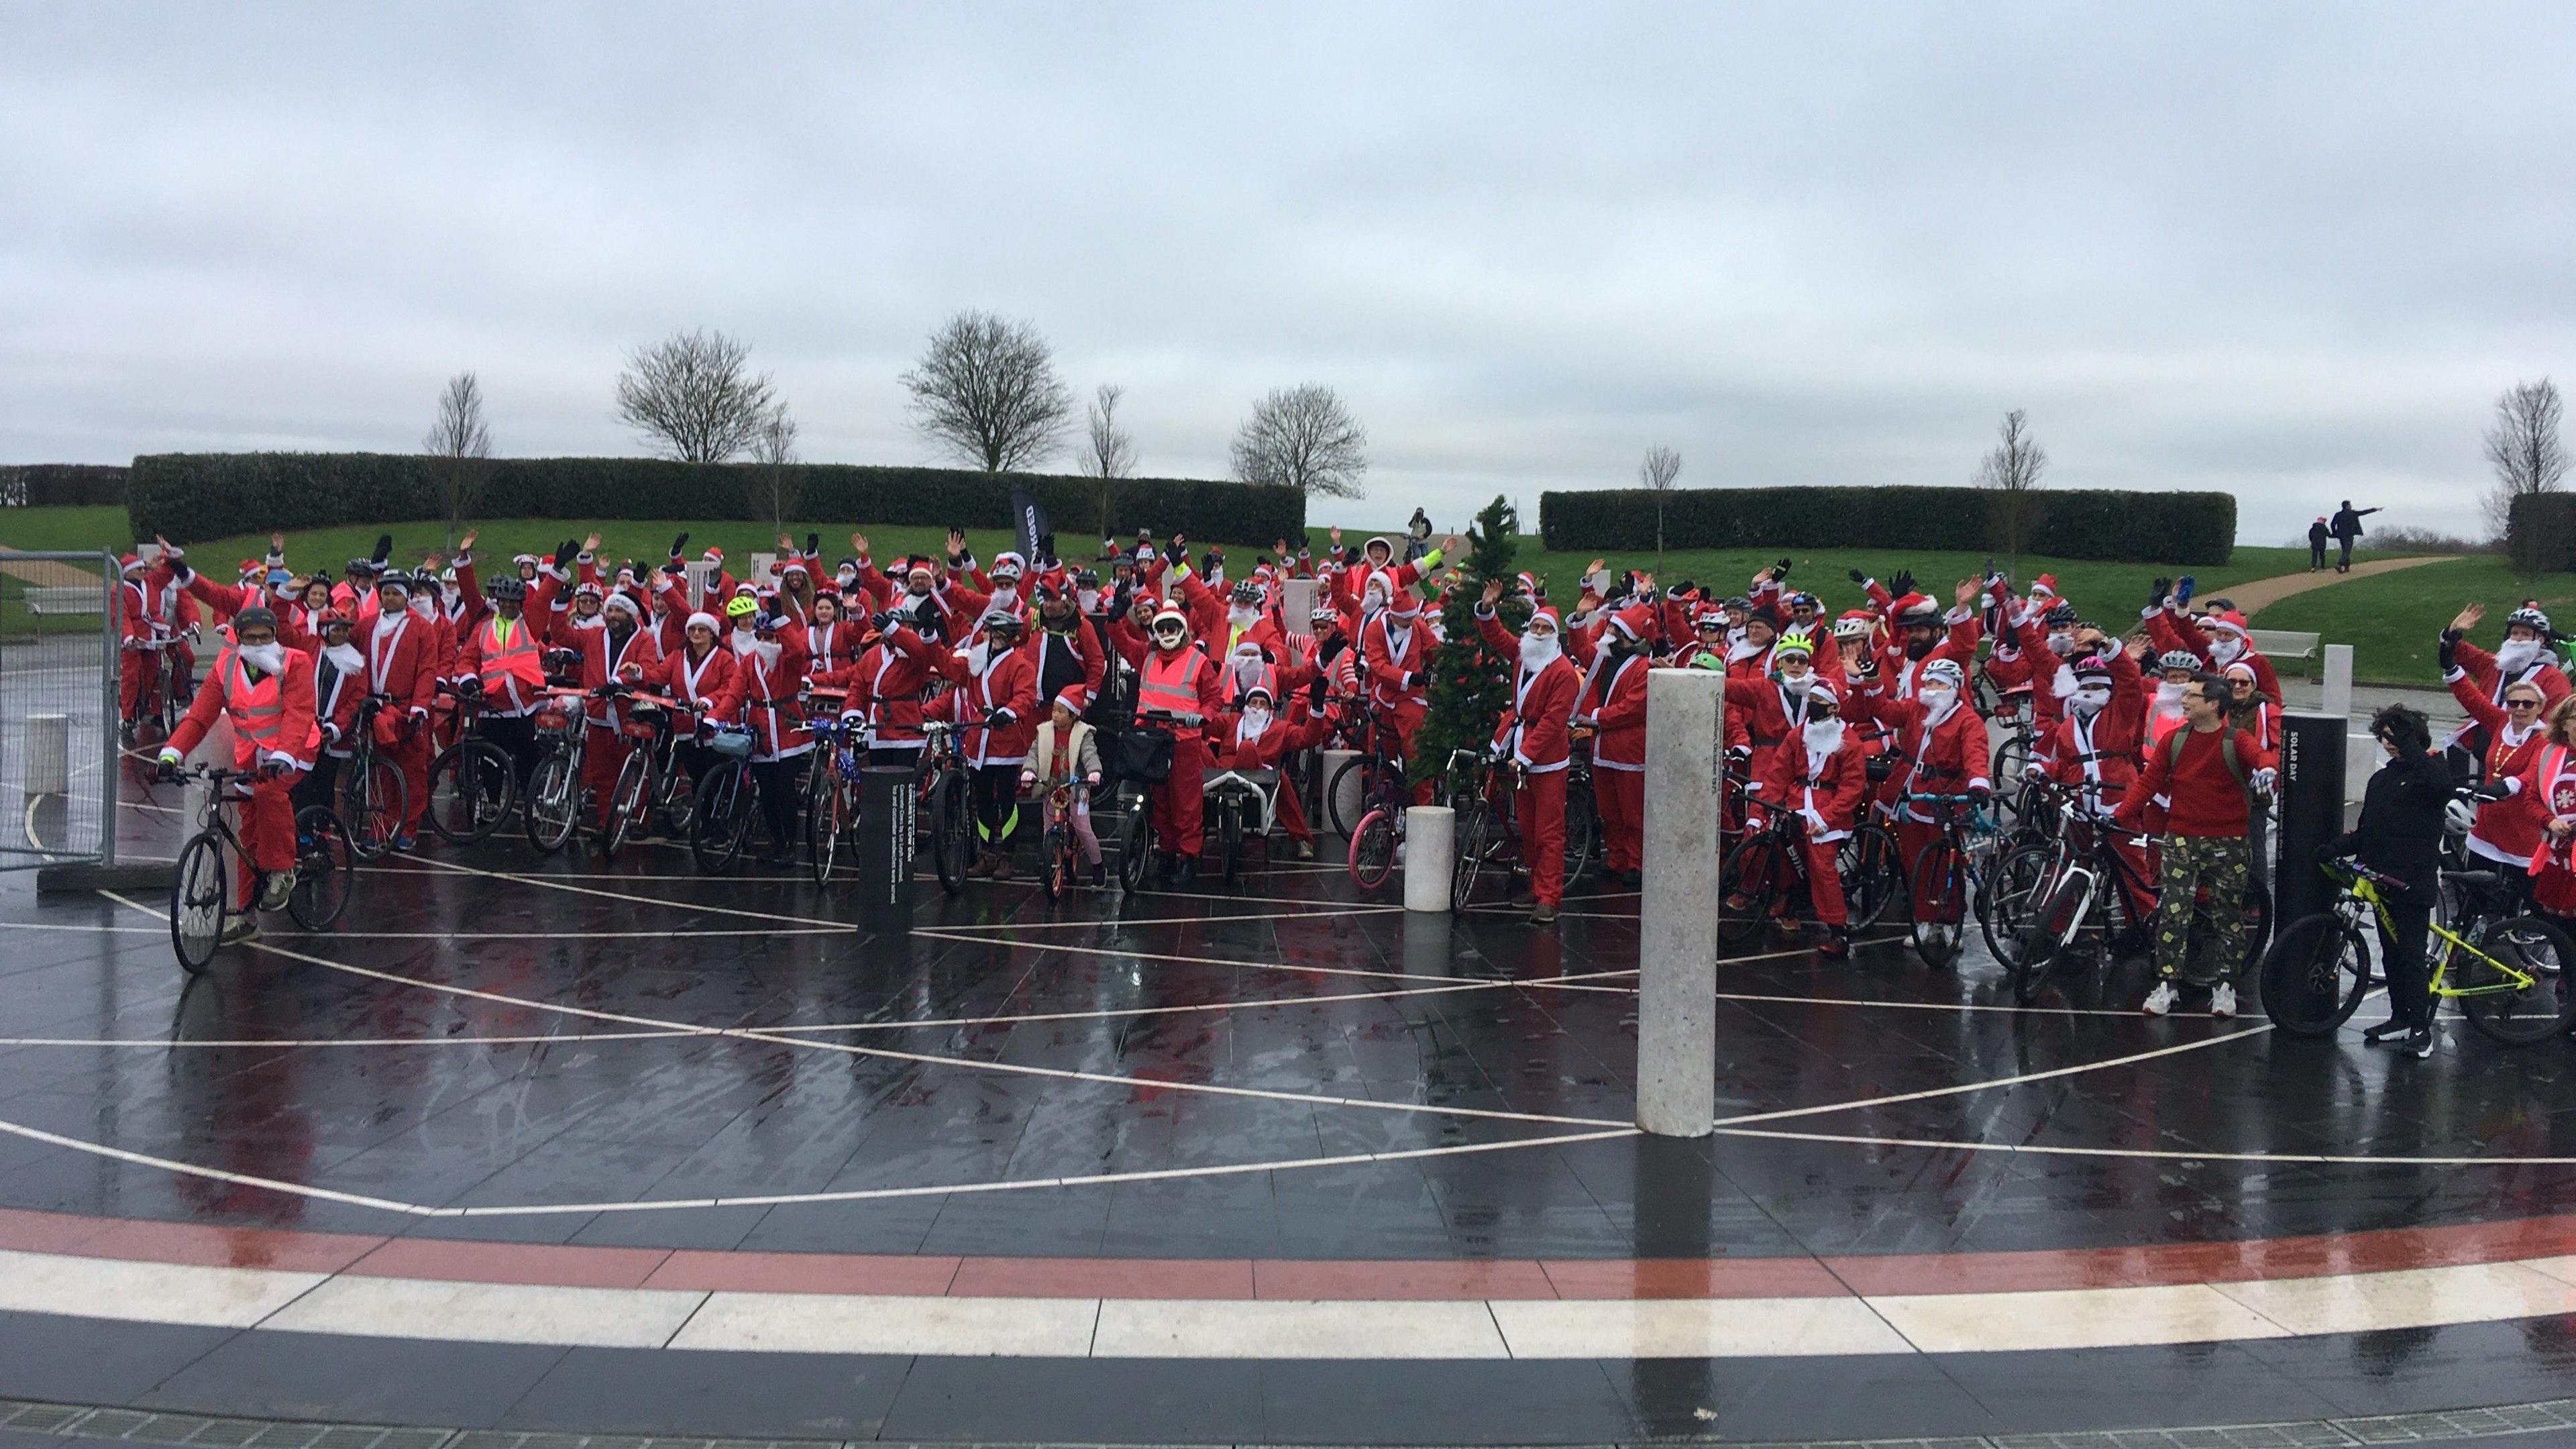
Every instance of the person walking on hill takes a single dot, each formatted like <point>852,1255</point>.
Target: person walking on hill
<point>2346,527</point>
<point>2318,537</point>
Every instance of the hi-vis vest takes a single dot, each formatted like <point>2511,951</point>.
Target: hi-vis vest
<point>258,709</point>
<point>1170,683</point>
<point>510,653</point>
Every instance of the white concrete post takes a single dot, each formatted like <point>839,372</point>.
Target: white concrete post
<point>1330,768</point>
<point>764,570</point>
<point>1430,845</point>
<point>49,754</point>
<point>697,571</point>
<point>2338,686</point>
<point>1677,946</point>
<point>1297,604</point>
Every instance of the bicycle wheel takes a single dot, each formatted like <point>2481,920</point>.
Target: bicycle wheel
<point>2315,975</point>
<point>679,807</point>
<point>200,899</point>
<point>1135,843</point>
<point>2505,1009</point>
<point>2010,756</point>
<point>471,789</point>
<point>1055,874</point>
<point>1373,850</point>
<point>1941,903</point>
<point>823,822</point>
<point>2044,937</point>
<point>1475,827</point>
<point>723,816</point>
<point>554,802</point>
<point>1872,878</point>
<point>1755,874</point>
<point>326,868</point>
<point>952,829</point>
<point>2011,898</point>
<point>373,798</point>
<point>626,802</point>
<point>1229,830</point>
<point>175,694</point>
<point>1582,832</point>
<point>1364,797</point>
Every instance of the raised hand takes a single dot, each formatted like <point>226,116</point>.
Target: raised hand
<point>813,545</point>
<point>1594,567</point>
<point>1857,576</point>
<point>1964,593</point>
<point>786,545</point>
<point>678,544</point>
<point>1493,592</point>
<point>2469,617</point>
<point>1903,583</point>
<point>466,544</point>
<point>956,542</point>
<point>590,544</point>
<point>859,544</point>
<point>1337,538</point>
<point>276,542</point>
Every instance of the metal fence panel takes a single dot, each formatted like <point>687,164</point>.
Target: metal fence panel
<point>58,708</point>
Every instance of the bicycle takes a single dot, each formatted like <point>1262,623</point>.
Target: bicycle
<point>1948,867</point>
<point>1059,854</point>
<point>2512,972</point>
<point>2046,895</point>
<point>948,786</point>
<point>1144,751</point>
<point>472,784</point>
<point>1764,875</point>
<point>201,895</point>
<point>1582,818</point>
<point>373,794</point>
<point>832,788</point>
<point>724,814</point>
<point>554,786</point>
<point>652,787</point>
<point>1378,756</point>
<point>1378,839</point>
<point>1244,806</point>
<point>1486,788</point>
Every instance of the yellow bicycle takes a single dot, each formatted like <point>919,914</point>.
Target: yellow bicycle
<point>2510,976</point>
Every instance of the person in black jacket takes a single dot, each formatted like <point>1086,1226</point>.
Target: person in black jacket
<point>2318,538</point>
<point>2346,527</point>
<point>2401,836</point>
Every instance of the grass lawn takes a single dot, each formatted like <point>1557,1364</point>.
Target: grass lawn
<point>2394,621</point>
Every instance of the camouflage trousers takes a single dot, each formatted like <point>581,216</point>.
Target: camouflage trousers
<point>2191,864</point>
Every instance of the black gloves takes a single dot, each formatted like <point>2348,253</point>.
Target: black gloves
<point>2449,653</point>
<point>1046,548</point>
<point>813,544</point>
<point>1902,584</point>
<point>881,620</point>
<point>678,544</point>
<point>566,552</point>
<point>1176,556</point>
<point>675,568</point>
<point>384,547</point>
<point>2490,792</point>
<point>1209,561</point>
<point>1684,589</point>
<point>1858,577</point>
<point>1780,570</point>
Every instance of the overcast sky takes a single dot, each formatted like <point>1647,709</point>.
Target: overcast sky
<point>2285,251</point>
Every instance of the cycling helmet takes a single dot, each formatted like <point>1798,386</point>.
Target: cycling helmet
<point>337,619</point>
<point>2060,615</point>
<point>741,606</point>
<point>254,617</point>
<point>1247,592</point>
<point>2179,659</point>
<point>507,590</point>
<point>1000,621</point>
<point>1946,671</point>
<point>1852,626</point>
<point>1796,641</point>
<point>393,579</point>
<point>2458,816</point>
<point>2529,619</point>
<point>1087,579</point>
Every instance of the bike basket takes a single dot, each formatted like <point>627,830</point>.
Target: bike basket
<point>1145,755</point>
<point>558,718</point>
<point>730,745</point>
<point>639,729</point>
<point>1880,767</point>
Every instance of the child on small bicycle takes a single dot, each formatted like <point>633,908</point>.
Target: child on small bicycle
<point>1065,753</point>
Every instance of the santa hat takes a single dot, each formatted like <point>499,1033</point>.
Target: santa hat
<point>1528,582</point>
<point>1548,613</point>
<point>623,603</point>
<point>2044,587</point>
<point>586,589</point>
<point>1167,611</point>
<point>792,566</point>
<point>252,568</point>
<point>1820,689</point>
<point>702,617</point>
<point>1633,621</point>
<point>920,566</point>
<point>131,563</point>
<point>713,555</point>
<point>523,558</point>
<point>2225,621</point>
<point>1914,604</point>
<point>1007,562</point>
<point>1070,697</point>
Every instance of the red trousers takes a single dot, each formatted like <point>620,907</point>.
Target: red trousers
<point>1541,808</point>
<point>138,670</point>
<point>1825,883</point>
<point>412,757</point>
<point>1620,796</point>
<point>602,756</point>
<point>1292,811</point>
<point>266,821</point>
<point>1406,719</point>
<point>1178,819</point>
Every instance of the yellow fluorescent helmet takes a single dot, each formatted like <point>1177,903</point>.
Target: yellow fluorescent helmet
<point>742,606</point>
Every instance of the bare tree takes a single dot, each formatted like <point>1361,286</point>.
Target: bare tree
<point>460,450</point>
<point>986,390</point>
<point>1657,474</point>
<point>777,483</point>
<point>1113,452</point>
<point>694,397</point>
<point>2524,447</point>
<point>1305,438</point>
<point>2012,469</point>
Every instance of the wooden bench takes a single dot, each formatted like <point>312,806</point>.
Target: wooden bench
<point>2282,645</point>
<point>57,599</point>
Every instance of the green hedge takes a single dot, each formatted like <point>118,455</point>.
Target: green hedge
<point>209,495</point>
<point>2540,533</point>
<point>2179,528</point>
<point>61,485</point>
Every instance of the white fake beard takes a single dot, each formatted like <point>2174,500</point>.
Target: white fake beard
<point>2515,655</point>
<point>1372,603</point>
<point>741,641</point>
<point>1245,670</point>
<point>1005,598</point>
<point>1241,616</point>
<point>1937,702</point>
<point>1741,649</point>
<point>268,658</point>
<point>345,658</point>
<point>848,579</point>
<point>593,621</point>
<point>2089,702</point>
<point>977,654</point>
<point>1540,650</point>
<point>2168,700</point>
<point>1087,600</point>
<point>768,650</point>
<point>2225,648</point>
<point>423,607</point>
<point>2061,645</point>
<point>1798,684</point>
<point>1823,736</point>
<point>1253,724</point>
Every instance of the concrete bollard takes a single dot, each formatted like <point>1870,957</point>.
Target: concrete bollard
<point>699,573</point>
<point>2338,682</point>
<point>49,754</point>
<point>764,570</point>
<point>1677,945</point>
<point>1329,769</point>
<point>1430,844</point>
<point>1297,604</point>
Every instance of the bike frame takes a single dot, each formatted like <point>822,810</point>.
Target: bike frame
<point>2361,892</point>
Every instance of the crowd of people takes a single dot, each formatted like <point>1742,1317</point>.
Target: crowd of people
<point>2163,729</point>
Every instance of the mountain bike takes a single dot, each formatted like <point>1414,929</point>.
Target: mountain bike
<point>554,786</point>
<point>654,789</point>
<point>2509,973</point>
<point>202,898</point>
<point>1945,872</point>
<point>1486,786</point>
<point>373,795</point>
<point>724,813</point>
<point>471,784</point>
<point>832,786</point>
<point>948,788</point>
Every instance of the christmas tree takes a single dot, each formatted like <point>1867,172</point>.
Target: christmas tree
<point>1471,685</point>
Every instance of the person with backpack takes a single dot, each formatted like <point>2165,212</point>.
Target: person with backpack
<point>2208,772</point>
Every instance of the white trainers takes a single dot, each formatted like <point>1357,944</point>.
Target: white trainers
<point>273,893</point>
<point>2161,1000</point>
<point>2222,1000</point>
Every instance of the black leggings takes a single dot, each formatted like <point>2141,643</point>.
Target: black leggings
<point>319,785</point>
<point>997,803</point>
<point>779,783</point>
<point>2401,958</point>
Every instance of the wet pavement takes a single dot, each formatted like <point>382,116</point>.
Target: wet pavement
<point>500,1047</point>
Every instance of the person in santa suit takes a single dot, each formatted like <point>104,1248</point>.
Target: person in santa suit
<point>1919,632</point>
<point>1762,712</point>
<point>2504,832</point>
<point>1538,732</point>
<point>1612,707</point>
<point>266,690</point>
<point>1176,679</point>
<point>1066,752</point>
<point>1064,651</point>
<point>614,646</point>
<point>1395,657</point>
<point>2523,656</point>
<point>883,688</point>
<point>769,677</point>
<point>2093,749</point>
<point>995,704</point>
<point>1819,772</point>
<point>2175,670</point>
<point>1254,735</point>
<point>1942,741</point>
<point>699,678</point>
<point>339,687</point>
<point>833,639</point>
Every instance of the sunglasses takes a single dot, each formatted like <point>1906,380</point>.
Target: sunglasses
<point>2522,704</point>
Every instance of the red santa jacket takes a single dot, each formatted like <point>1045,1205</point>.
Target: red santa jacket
<point>1397,668</point>
<point>768,686</point>
<point>1944,756</point>
<point>1614,696</point>
<point>2506,831</point>
<point>603,658</point>
<point>1830,783</point>
<point>1005,681</point>
<point>708,681</point>
<point>1287,734</point>
<point>886,683</point>
<point>1537,729</point>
